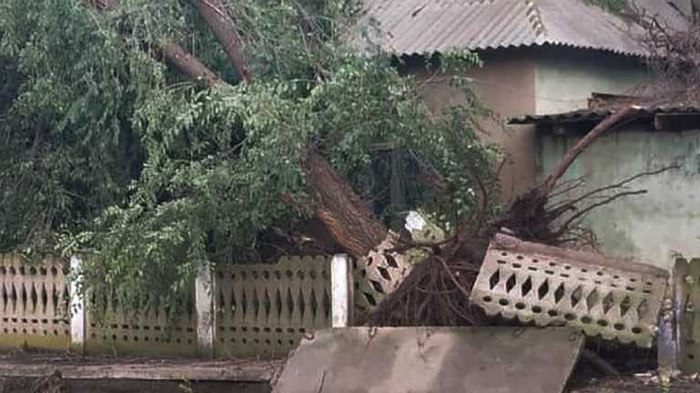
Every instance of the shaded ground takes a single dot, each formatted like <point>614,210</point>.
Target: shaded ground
<point>23,372</point>
<point>644,383</point>
<point>26,364</point>
<point>32,373</point>
<point>34,385</point>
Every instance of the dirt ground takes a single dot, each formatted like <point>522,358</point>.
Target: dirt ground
<point>585,379</point>
<point>34,385</point>
<point>639,383</point>
<point>52,372</point>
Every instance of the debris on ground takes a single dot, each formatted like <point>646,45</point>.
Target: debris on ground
<point>637,383</point>
<point>50,384</point>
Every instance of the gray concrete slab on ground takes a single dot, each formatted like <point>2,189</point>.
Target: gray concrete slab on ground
<point>435,360</point>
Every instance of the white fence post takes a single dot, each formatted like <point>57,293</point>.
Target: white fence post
<point>341,291</point>
<point>78,310</point>
<point>204,303</point>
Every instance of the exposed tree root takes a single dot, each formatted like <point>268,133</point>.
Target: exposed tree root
<point>437,290</point>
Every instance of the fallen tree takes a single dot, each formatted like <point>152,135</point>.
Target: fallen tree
<point>157,169</point>
<point>171,133</point>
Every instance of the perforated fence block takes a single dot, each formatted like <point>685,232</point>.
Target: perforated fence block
<point>688,314</point>
<point>151,330</point>
<point>379,274</point>
<point>34,303</point>
<point>264,310</point>
<point>552,286</point>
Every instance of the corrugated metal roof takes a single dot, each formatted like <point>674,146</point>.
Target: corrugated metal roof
<point>598,114</point>
<point>428,26</point>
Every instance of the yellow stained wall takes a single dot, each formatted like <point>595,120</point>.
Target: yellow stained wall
<point>506,84</point>
<point>517,82</point>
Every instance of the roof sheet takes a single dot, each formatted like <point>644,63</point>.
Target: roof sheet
<point>598,114</point>
<point>427,26</point>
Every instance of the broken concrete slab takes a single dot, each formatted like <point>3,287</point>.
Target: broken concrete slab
<point>553,286</point>
<point>435,360</point>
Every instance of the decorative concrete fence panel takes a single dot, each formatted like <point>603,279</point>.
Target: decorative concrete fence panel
<point>265,310</point>
<point>153,330</point>
<point>34,303</point>
<point>242,311</point>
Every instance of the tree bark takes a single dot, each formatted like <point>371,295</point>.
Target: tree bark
<point>104,5</point>
<point>348,219</point>
<point>174,53</point>
<point>224,29</point>
<point>189,65</point>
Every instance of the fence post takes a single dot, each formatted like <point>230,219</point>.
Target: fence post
<point>668,350</point>
<point>341,291</point>
<point>77,310</point>
<point>204,303</point>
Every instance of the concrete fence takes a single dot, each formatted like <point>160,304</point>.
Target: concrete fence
<point>238,311</point>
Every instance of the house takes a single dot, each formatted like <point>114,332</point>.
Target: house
<point>656,227</point>
<point>540,57</point>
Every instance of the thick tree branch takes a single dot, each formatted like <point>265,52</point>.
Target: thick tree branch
<point>573,153</point>
<point>223,27</point>
<point>174,53</point>
<point>104,5</point>
<point>188,64</point>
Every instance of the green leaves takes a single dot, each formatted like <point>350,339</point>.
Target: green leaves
<point>105,149</point>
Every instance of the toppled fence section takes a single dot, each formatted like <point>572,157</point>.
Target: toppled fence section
<point>34,304</point>
<point>379,274</point>
<point>265,310</point>
<point>687,309</point>
<point>552,286</point>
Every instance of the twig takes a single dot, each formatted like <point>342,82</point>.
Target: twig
<point>597,205</point>
<point>575,151</point>
<point>600,363</point>
<point>452,277</point>
<point>558,209</point>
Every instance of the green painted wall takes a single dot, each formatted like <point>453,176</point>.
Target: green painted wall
<point>653,228</point>
<point>564,80</point>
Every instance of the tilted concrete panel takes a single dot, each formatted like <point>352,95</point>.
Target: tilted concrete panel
<point>552,286</point>
<point>435,360</point>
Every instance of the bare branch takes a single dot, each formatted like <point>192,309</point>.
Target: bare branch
<point>605,201</point>
<point>573,153</point>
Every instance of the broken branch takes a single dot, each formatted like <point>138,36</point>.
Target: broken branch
<point>189,65</point>
<point>573,153</point>
<point>224,28</point>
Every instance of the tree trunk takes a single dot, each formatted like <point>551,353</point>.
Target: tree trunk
<point>224,29</point>
<point>348,219</point>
